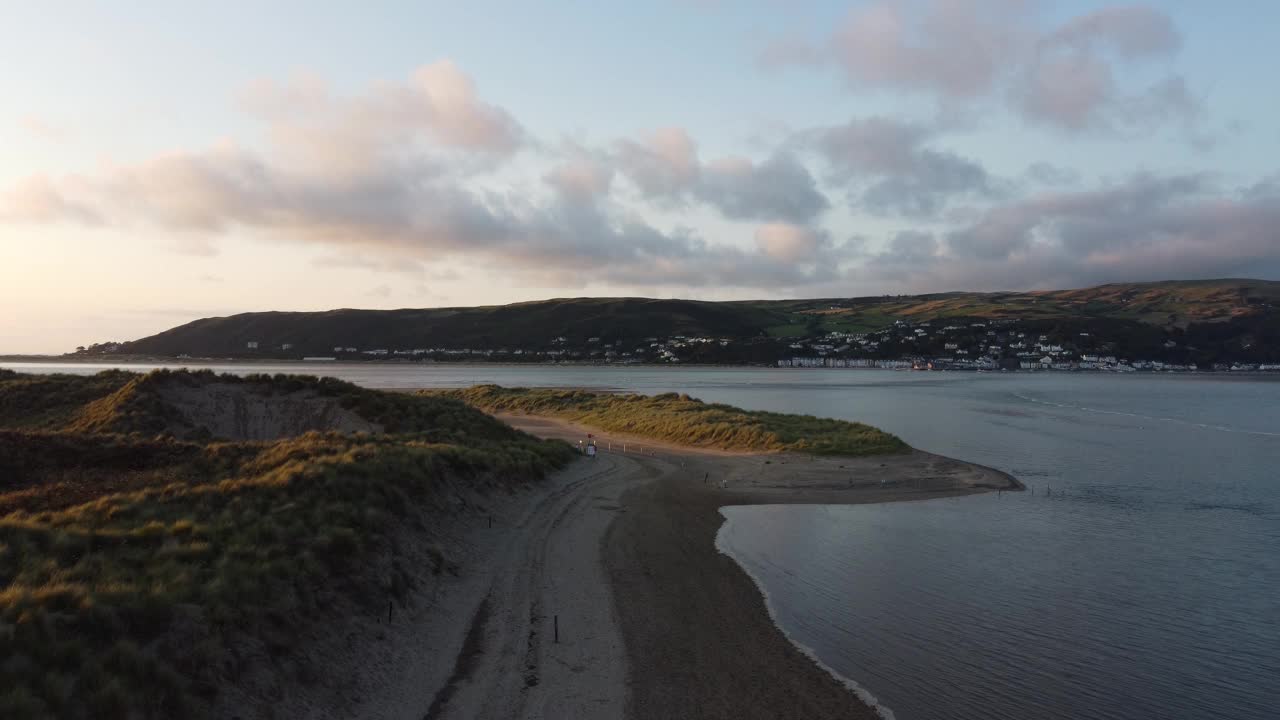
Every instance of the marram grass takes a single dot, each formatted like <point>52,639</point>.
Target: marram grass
<point>684,420</point>
<point>134,567</point>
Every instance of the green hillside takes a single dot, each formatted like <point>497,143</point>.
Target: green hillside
<point>1241,310</point>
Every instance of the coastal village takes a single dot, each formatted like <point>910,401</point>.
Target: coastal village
<point>1175,326</point>
<point>976,346</point>
<point>986,345</point>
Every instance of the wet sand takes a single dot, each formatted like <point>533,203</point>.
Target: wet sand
<point>597,594</point>
<point>698,637</point>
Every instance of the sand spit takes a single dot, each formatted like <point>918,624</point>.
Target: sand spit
<point>700,641</point>
<point>602,595</point>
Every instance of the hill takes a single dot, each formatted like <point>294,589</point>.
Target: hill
<point>146,565</point>
<point>1226,320</point>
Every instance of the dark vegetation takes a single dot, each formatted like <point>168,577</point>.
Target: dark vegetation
<point>136,566</point>
<point>688,421</point>
<point>1223,319</point>
<point>518,325</point>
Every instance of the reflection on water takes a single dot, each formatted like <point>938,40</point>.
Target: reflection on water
<point>1147,585</point>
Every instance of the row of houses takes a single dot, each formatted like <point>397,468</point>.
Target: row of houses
<point>830,362</point>
<point>989,363</point>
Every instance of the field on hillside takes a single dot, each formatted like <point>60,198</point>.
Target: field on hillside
<point>1163,304</point>
<point>586,327</point>
<point>687,421</point>
<point>143,561</point>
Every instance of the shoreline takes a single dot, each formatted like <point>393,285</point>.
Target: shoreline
<point>698,628</point>
<point>862,693</point>
<point>211,362</point>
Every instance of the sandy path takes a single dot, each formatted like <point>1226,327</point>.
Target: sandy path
<point>480,644</point>
<point>512,665</point>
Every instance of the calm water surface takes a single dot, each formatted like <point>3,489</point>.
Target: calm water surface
<point>1147,585</point>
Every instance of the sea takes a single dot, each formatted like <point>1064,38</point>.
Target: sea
<point>1137,577</point>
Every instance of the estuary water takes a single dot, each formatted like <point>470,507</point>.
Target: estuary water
<point>1139,576</point>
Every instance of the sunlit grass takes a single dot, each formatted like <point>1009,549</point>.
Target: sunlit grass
<point>685,420</point>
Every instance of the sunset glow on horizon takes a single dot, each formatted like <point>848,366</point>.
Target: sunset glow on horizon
<point>166,162</point>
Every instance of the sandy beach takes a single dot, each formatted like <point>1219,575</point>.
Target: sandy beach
<point>699,640</point>
<point>602,595</point>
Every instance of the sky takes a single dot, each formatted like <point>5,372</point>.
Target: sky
<point>166,161</point>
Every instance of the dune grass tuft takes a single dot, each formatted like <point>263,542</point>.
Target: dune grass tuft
<point>681,419</point>
<point>133,565</point>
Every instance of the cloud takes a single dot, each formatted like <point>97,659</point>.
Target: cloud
<point>1132,31</point>
<point>954,48</point>
<point>663,165</point>
<point>1264,189</point>
<point>390,215</point>
<point>1146,227</point>
<point>389,180</point>
<point>582,176</point>
<point>1078,223</point>
<point>908,255</point>
<point>1066,77</point>
<point>435,110</point>
<point>790,243</point>
<point>891,171</point>
<point>666,169</point>
<point>1045,173</point>
<point>1070,79</point>
<point>780,188</point>
<point>37,199</point>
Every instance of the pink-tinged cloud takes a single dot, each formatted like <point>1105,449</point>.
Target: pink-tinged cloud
<point>790,243</point>
<point>955,48</point>
<point>581,177</point>
<point>662,164</point>
<point>1134,31</point>
<point>37,199</point>
<point>448,102</point>
<point>435,111</point>
<point>1145,228</point>
<point>1068,77</point>
<point>1066,91</point>
<point>397,210</point>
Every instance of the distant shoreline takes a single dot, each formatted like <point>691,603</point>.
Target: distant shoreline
<point>207,362</point>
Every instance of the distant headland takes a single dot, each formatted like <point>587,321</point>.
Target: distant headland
<point>1230,324</point>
